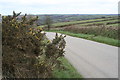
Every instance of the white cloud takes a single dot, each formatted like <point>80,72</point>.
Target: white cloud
<point>56,1</point>
<point>29,2</point>
<point>59,6</point>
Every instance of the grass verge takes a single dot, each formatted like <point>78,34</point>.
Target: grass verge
<point>101,39</point>
<point>69,72</point>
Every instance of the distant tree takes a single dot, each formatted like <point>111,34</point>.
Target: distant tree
<point>48,22</point>
<point>103,17</point>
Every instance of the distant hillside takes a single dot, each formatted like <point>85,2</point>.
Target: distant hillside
<point>73,17</point>
<point>56,18</point>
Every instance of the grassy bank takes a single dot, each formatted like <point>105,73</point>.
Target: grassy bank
<point>69,72</point>
<point>106,40</point>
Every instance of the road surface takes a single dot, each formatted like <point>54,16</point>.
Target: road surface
<point>91,59</point>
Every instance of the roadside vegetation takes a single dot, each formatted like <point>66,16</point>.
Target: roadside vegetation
<point>68,71</point>
<point>28,53</point>
<point>101,39</point>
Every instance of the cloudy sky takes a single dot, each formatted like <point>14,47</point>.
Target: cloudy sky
<point>59,6</point>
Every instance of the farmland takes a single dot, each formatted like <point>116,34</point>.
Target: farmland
<point>88,22</point>
<point>103,30</point>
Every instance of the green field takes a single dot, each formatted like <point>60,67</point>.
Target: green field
<point>85,22</point>
<point>101,22</point>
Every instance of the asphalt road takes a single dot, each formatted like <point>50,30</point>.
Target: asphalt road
<point>91,59</point>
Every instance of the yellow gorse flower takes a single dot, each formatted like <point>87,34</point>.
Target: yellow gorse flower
<point>16,26</point>
<point>40,29</point>
<point>30,29</point>
<point>36,37</point>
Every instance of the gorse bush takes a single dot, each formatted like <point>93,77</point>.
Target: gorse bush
<point>27,53</point>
